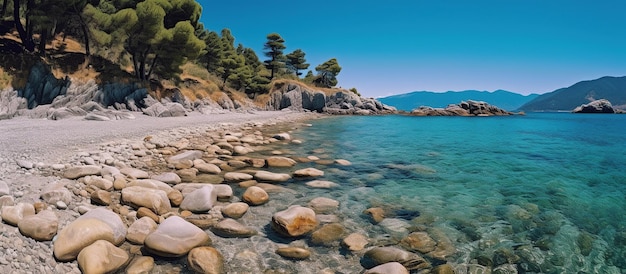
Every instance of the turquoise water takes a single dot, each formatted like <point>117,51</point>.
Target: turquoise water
<point>542,193</point>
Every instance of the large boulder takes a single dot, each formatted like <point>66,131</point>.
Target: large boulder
<point>597,106</point>
<point>96,224</point>
<point>42,87</point>
<point>465,108</point>
<point>165,110</point>
<point>10,103</point>
<point>297,97</point>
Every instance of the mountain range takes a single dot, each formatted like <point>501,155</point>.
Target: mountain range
<point>563,99</point>
<point>503,99</point>
<point>566,99</point>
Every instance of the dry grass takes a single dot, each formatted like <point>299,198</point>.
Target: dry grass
<point>5,79</point>
<point>277,84</point>
<point>262,100</point>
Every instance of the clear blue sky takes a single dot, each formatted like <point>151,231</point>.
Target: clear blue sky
<point>391,47</point>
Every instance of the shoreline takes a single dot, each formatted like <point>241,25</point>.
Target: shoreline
<point>65,143</point>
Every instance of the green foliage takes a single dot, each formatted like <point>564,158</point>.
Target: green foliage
<point>274,50</point>
<point>297,62</point>
<point>147,31</point>
<point>327,73</point>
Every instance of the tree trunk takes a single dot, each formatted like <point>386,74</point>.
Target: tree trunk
<point>85,30</point>
<point>154,61</point>
<point>27,41</point>
<point>4,8</point>
<point>42,42</point>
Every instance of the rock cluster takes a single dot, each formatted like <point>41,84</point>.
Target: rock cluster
<point>465,108</point>
<point>597,106</point>
<point>299,97</point>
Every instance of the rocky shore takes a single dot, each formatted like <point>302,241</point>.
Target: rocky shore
<point>465,108</point>
<point>206,197</point>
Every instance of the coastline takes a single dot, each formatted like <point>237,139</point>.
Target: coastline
<point>66,143</point>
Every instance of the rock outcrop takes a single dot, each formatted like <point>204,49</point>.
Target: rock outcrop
<point>597,106</point>
<point>465,108</point>
<point>295,96</point>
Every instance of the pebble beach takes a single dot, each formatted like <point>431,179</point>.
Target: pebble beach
<point>198,194</point>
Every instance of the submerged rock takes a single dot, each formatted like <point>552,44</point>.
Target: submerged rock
<point>294,221</point>
<point>292,252</point>
<point>381,255</point>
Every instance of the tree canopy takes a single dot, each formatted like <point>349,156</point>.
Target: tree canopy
<point>154,38</point>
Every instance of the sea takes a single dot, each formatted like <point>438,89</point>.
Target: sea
<point>534,193</point>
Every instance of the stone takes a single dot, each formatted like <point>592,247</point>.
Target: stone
<point>55,192</point>
<point>447,269</point>
<point>154,199</point>
<point>4,189</point>
<point>267,176</point>
<point>355,242</point>
<point>229,228</point>
<point>187,155</point>
<point>382,255</point>
<point>235,210</point>
<point>328,234</point>
<point>8,201</point>
<point>168,178</point>
<point>255,195</point>
<point>146,212</point>
<point>140,265</point>
<point>388,268</point>
<point>205,167</point>
<point>96,224</point>
<point>282,136</point>
<point>321,184</point>
<point>175,237</point>
<point>99,182</point>
<point>101,197</point>
<point>140,229</point>
<point>377,214</point>
<point>279,161</point>
<point>200,200</point>
<point>419,241</point>
<point>343,162</point>
<point>183,164</point>
<point>308,172</point>
<point>207,260</point>
<point>240,150</point>
<point>134,173</point>
<point>224,192</point>
<point>25,164</point>
<point>395,226</point>
<point>237,177</point>
<point>81,171</point>
<point>101,257</point>
<point>293,252</point>
<point>294,221</point>
<point>14,214</point>
<point>41,226</point>
<point>323,205</point>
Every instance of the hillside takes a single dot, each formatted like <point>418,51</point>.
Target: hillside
<point>566,99</point>
<point>504,99</point>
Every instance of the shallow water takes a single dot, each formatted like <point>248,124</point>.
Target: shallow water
<point>549,188</point>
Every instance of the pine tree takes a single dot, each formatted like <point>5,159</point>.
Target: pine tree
<point>327,73</point>
<point>274,50</point>
<point>297,62</point>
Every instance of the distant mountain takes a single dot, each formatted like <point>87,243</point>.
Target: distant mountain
<point>566,99</point>
<point>501,98</point>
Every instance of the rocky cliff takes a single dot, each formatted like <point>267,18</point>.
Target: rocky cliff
<point>299,97</point>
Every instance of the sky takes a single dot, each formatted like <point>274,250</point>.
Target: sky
<point>398,46</point>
